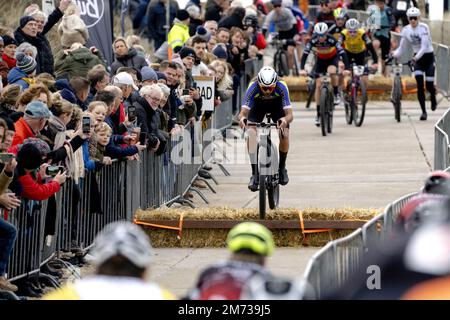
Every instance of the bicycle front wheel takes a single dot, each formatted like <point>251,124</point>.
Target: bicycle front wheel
<point>324,97</point>
<point>262,196</point>
<point>273,195</point>
<point>330,114</point>
<point>360,98</point>
<point>397,98</point>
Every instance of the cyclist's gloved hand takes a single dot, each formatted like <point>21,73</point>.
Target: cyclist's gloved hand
<point>282,123</point>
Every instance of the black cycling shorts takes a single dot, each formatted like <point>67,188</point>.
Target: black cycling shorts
<point>323,64</point>
<point>288,35</point>
<point>425,66</point>
<point>262,106</point>
<point>359,59</point>
<point>385,45</point>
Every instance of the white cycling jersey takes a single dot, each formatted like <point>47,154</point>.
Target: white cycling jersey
<point>419,38</point>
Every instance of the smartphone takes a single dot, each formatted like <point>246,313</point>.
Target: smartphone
<point>194,85</point>
<point>53,170</point>
<point>185,92</point>
<point>86,123</point>
<point>6,157</point>
<point>131,113</point>
<point>143,138</point>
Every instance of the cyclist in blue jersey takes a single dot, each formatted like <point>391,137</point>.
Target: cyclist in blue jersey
<point>265,95</point>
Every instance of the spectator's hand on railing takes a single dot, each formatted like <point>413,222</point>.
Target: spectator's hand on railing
<point>11,166</point>
<point>192,121</point>
<point>60,178</point>
<point>107,161</point>
<point>176,130</point>
<point>128,139</point>
<point>140,146</point>
<point>9,201</point>
<point>155,148</point>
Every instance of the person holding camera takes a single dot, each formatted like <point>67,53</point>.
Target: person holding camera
<point>8,201</point>
<point>192,99</point>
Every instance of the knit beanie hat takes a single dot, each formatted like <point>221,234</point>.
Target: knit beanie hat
<point>72,29</point>
<point>187,52</point>
<point>25,20</point>
<point>29,157</point>
<point>7,40</point>
<point>40,144</point>
<point>203,33</point>
<point>182,15</point>
<point>148,73</point>
<point>25,63</point>
<point>161,75</point>
<point>220,52</point>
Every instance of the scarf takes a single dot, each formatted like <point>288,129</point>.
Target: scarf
<point>56,125</point>
<point>11,62</point>
<point>76,158</point>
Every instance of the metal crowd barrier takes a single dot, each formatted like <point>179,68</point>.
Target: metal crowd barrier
<point>332,266</point>
<point>441,142</point>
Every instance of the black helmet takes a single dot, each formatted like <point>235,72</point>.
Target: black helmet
<point>438,183</point>
<point>430,211</point>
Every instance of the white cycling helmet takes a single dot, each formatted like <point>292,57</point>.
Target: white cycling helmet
<point>413,12</point>
<point>267,77</point>
<point>125,239</point>
<point>321,28</point>
<point>352,25</point>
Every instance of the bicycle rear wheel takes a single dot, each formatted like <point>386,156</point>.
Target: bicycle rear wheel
<point>262,196</point>
<point>330,114</point>
<point>360,103</point>
<point>323,110</point>
<point>397,97</point>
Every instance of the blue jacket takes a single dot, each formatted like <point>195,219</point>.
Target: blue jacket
<point>117,152</point>
<point>15,76</point>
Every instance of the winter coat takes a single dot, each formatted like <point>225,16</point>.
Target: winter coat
<point>90,164</point>
<point>76,63</point>
<point>35,189</point>
<point>132,59</point>
<point>213,11</point>
<point>148,120</point>
<point>23,131</point>
<point>44,56</point>
<point>17,76</point>
<point>231,21</point>
<point>178,35</point>
<point>156,20</point>
<point>117,152</point>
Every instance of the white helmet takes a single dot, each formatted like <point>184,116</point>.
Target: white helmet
<point>352,25</point>
<point>321,28</point>
<point>267,77</point>
<point>125,239</point>
<point>413,12</point>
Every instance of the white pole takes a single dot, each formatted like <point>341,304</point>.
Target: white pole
<point>436,10</point>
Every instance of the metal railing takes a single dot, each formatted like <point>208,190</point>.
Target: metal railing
<point>113,193</point>
<point>333,265</point>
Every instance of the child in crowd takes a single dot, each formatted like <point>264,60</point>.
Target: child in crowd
<point>99,110</point>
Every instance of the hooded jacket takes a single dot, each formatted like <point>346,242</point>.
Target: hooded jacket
<point>156,20</point>
<point>17,76</point>
<point>178,35</point>
<point>132,59</point>
<point>76,63</point>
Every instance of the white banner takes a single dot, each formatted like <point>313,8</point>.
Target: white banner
<point>48,6</point>
<point>206,86</point>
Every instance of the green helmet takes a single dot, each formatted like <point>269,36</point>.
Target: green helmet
<point>251,236</point>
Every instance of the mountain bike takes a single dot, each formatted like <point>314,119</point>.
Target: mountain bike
<point>355,97</point>
<point>267,166</point>
<point>280,59</point>
<point>326,104</point>
<point>397,88</point>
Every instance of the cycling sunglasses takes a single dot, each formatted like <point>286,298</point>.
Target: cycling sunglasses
<point>277,5</point>
<point>412,18</point>
<point>268,89</point>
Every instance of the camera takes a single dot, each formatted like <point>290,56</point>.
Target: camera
<point>54,170</point>
<point>6,157</point>
<point>86,124</point>
<point>131,113</point>
<point>143,138</point>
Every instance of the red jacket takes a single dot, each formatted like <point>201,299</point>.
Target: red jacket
<point>23,131</point>
<point>35,189</point>
<point>260,42</point>
<point>11,62</point>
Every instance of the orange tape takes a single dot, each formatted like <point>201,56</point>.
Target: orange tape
<point>153,225</point>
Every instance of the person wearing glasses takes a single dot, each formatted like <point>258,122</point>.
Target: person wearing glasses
<point>328,52</point>
<point>356,44</point>
<point>418,35</point>
<point>267,94</point>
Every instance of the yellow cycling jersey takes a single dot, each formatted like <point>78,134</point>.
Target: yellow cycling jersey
<point>354,44</point>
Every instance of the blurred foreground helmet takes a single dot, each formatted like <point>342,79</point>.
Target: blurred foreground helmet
<point>122,239</point>
<point>438,183</point>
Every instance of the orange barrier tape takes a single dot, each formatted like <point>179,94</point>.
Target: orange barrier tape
<point>305,232</point>
<point>179,229</point>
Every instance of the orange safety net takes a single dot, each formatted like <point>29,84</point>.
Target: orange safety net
<point>153,225</point>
